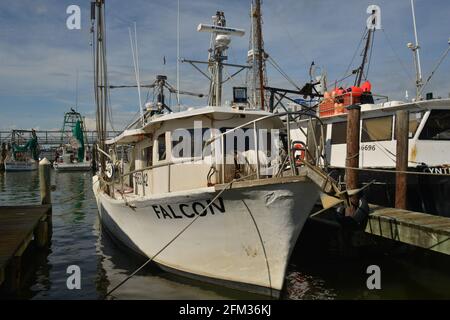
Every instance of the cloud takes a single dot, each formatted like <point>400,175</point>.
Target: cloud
<point>39,56</point>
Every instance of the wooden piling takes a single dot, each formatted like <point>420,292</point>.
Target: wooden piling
<point>402,124</point>
<point>352,160</point>
<point>44,230</point>
<point>44,181</point>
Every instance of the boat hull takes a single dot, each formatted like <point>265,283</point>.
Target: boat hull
<point>83,166</point>
<point>243,240</point>
<point>20,166</point>
<point>428,194</point>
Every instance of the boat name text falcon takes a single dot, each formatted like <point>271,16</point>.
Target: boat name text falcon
<point>183,210</point>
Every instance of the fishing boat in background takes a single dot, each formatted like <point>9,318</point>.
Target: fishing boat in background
<point>73,156</point>
<point>22,152</point>
<point>208,210</point>
<point>428,133</point>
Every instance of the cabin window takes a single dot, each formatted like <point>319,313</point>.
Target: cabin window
<point>339,133</point>
<point>188,149</point>
<point>238,144</point>
<point>376,129</point>
<point>162,147</point>
<point>414,121</point>
<point>437,126</point>
<point>147,156</point>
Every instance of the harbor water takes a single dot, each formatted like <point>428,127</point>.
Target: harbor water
<point>315,270</point>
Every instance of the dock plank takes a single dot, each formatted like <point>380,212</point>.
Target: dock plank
<point>415,228</point>
<point>17,224</point>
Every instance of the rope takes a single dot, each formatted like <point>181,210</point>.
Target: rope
<point>354,54</point>
<point>398,57</point>
<point>398,171</point>
<point>284,74</point>
<point>176,236</point>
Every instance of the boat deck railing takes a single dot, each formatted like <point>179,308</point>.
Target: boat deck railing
<point>287,164</point>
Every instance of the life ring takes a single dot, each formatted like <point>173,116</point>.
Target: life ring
<point>110,170</point>
<point>298,152</point>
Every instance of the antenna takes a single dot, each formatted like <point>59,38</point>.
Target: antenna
<point>136,68</point>
<point>415,49</point>
<point>220,41</point>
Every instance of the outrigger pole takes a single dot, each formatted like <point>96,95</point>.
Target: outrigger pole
<point>360,70</point>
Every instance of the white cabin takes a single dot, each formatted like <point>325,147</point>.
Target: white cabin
<point>429,134</point>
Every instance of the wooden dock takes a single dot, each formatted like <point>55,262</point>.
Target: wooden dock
<point>19,226</point>
<point>414,228</point>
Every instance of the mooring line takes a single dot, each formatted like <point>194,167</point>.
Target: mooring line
<point>398,171</point>
<point>263,247</point>
<point>174,238</point>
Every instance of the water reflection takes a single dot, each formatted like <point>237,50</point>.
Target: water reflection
<point>315,271</point>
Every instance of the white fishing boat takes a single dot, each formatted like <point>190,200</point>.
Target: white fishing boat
<point>428,145</point>
<point>23,151</point>
<point>73,156</point>
<point>221,200</point>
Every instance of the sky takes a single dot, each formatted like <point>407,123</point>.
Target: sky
<point>40,57</point>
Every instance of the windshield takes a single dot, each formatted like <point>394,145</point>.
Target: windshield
<point>437,126</point>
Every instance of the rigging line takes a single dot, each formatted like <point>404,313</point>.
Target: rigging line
<point>176,236</point>
<point>279,69</point>
<point>262,245</point>
<point>284,74</point>
<point>230,50</point>
<point>356,52</point>
<point>283,24</point>
<point>435,68</point>
<point>398,57</point>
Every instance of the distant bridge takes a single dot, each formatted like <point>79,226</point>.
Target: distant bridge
<point>54,138</point>
<point>49,140</point>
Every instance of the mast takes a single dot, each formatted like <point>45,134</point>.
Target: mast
<point>256,77</point>
<point>100,75</point>
<point>416,55</point>
<point>373,23</point>
<point>220,41</point>
<point>361,68</point>
<point>260,51</point>
<point>216,58</point>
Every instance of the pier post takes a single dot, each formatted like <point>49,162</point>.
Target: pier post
<point>44,181</point>
<point>352,160</point>
<point>402,124</point>
<point>43,232</point>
